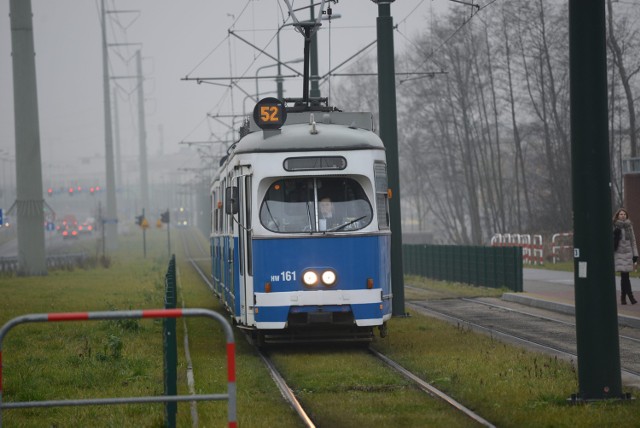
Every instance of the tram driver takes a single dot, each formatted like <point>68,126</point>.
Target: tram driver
<point>327,218</point>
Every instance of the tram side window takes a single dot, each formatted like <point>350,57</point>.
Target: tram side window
<point>213,211</point>
<point>215,197</point>
<point>228,197</point>
<point>382,201</point>
<point>223,217</point>
<point>315,204</point>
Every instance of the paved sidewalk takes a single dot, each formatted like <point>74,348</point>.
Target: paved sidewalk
<point>553,290</point>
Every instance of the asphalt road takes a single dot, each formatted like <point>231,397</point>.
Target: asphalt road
<point>543,280</point>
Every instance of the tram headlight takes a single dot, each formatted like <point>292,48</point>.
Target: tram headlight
<point>329,277</point>
<point>310,278</point>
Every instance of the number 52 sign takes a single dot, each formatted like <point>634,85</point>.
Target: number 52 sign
<point>270,113</point>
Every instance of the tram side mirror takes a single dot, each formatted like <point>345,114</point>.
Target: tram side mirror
<point>231,200</point>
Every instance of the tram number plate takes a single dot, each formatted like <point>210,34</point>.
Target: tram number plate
<point>284,276</point>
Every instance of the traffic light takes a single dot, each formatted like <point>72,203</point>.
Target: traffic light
<point>164,217</point>
<point>139,219</point>
<point>50,191</point>
<point>70,191</point>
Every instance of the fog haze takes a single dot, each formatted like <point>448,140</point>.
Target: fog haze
<point>177,40</point>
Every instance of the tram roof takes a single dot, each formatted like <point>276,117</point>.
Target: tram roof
<point>353,132</point>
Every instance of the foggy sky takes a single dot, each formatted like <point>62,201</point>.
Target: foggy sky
<point>179,38</point>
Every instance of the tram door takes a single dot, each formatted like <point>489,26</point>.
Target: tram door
<point>244,242</point>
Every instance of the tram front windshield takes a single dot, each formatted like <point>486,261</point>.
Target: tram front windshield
<point>315,204</point>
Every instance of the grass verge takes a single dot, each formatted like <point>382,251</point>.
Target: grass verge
<point>507,385</point>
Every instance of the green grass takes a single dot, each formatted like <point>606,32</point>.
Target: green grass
<point>561,266</point>
<point>420,288</point>
<point>507,385</point>
<point>331,383</point>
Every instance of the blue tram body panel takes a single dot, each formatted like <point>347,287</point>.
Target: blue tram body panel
<point>355,259</point>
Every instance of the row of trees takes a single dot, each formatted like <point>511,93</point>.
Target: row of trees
<point>485,140</point>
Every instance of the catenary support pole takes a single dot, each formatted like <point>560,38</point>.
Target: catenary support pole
<point>29,201</point>
<point>389,136</point>
<point>110,223</point>
<point>142,135</point>
<point>595,293</point>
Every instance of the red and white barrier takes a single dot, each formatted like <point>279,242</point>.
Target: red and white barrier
<point>561,243</point>
<point>532,249</point>
<point>230,396</point>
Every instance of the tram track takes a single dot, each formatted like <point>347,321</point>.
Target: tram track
<point>288,392</point>
<point>283,387</point>
<point>430,389</point>
<point>550,333</point>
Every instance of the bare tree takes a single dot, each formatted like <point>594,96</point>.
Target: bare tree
<point>520,172</point>
<point>485,147</point>
<point>620,57</point>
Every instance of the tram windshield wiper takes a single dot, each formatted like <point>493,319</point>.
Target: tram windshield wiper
<point>309,216</point>
<point>342,226</point>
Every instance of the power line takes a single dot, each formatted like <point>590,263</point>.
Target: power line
<point>452,35</point>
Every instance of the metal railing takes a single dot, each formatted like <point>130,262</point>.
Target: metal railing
<point>170,345</point>
<point>10,264</point>
<point>230,396</point>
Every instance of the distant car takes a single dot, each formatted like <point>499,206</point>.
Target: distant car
<point>70,233</point>
<point>85,228</point>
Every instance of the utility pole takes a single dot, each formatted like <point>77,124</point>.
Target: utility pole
<point>389,135</point>
<point>142,135</point>
<point>110,223</point>
<point>29,202</point>
<point>598,345</point>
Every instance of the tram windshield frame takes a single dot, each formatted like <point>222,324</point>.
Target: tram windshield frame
<point>315,205</point>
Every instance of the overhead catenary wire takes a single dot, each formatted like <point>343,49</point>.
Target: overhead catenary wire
<point>451,36</point>
<point>285,15</point>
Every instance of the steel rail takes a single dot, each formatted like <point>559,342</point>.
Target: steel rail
<point>280,382</point>
<point>430,389</point>
<point>504,335</point>
<point>517,311</point>
<point>286,392</point>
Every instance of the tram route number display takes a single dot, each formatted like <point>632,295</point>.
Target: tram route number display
<point>270,113</point>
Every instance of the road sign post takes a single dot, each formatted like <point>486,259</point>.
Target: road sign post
<point>141,221</point>
<point>165,218</point>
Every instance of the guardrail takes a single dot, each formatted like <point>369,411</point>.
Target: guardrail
<point>230,396</point>
<point>10,264</point>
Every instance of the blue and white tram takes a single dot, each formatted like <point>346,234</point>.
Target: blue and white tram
<point>300,237</point>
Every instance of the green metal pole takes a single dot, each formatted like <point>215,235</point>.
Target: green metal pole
<point>389,136</point>
<point>594,278</point>
<point>170,345</point>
